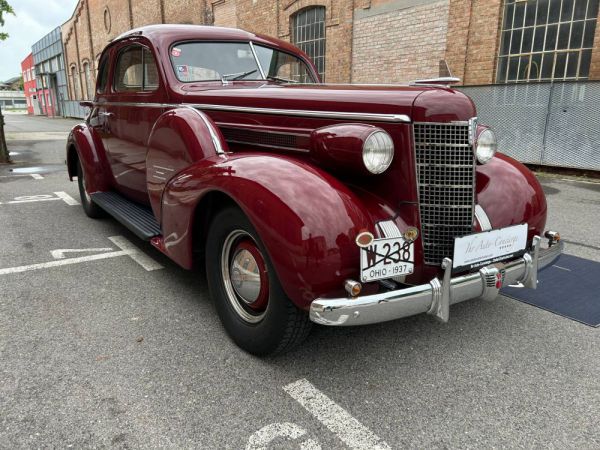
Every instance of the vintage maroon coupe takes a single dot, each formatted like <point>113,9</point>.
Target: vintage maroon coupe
<point>336,204</point>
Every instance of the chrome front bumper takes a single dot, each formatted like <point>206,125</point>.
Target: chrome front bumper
<point>436,296</point>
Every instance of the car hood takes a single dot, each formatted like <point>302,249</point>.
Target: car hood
<point>420,103</point>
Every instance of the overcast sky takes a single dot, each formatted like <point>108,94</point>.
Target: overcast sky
<point>34,19</point>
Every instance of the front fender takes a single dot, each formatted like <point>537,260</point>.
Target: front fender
<point>306,219</point>
<point>92,157</point>
<point>510,194</point>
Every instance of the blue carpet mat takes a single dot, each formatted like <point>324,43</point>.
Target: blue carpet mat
<point>570,288</point>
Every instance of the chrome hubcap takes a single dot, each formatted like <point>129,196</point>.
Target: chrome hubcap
<point>244,276</point>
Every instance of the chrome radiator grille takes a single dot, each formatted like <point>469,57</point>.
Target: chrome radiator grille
<point>445,180</point>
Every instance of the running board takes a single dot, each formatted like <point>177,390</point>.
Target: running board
<point>137,218</point>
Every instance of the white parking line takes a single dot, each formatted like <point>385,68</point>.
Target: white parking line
<point>61,262</point>
<point>35,176</point>
<point>67,198</point>
<point>263,438</point>
<point>134,253</point>
<point>127,249</point>
<point>43,198</point>
<point>60,253</point>
<point>354,434</point>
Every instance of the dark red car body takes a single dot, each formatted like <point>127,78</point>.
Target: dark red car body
<point>306,211</point>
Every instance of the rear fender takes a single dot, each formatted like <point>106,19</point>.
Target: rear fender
<point>306,219</point>
<point>83,146</point>
<point>179,138</point>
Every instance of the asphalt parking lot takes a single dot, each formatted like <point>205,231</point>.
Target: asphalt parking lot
<point>105,343</point>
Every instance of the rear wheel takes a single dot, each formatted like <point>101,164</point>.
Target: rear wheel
<point>91,209</point>
<point>249,299</point>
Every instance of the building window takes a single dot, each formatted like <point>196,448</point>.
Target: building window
<point>88,80</point>
<point>308,34</point>
<point>75,77</point>
<point>107,19</point>
<point>546,40</point>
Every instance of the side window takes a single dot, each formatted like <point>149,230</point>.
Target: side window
<point>136,70</point>
<point>102,75</point>
<point>150,71</point>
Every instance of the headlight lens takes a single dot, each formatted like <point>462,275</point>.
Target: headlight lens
<point>486,146</point>
<point>378,152</point>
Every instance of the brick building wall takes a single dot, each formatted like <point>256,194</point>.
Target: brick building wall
<point>595,63</point>
<point>224,13</point>
<point>399,41</point>
<point>370,41</point>
<point>473,39</point>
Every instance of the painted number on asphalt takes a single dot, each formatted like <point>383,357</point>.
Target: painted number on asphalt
<point>339,421</point>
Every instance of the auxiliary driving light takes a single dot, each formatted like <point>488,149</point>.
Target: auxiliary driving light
<point>352,287</point>
<point>364,239</point>
<point>411,234</point>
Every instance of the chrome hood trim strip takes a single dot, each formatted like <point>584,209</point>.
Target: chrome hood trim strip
<point>341,115</point>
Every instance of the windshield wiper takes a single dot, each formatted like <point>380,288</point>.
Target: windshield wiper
<point>236,76</point>
<point>281,80</point>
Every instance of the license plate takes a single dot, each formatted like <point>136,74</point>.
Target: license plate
<point>386,258</point>
<point>481,249</point>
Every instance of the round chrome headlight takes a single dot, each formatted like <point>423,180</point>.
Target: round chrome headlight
<point>378,152</point>
<point>486,146</point>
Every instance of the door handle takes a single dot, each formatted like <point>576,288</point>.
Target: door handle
<point>105,114</point>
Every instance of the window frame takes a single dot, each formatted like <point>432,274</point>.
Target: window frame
<point>308,64</point>
<point>115,66</point>
<point>76,82</point>
<point>300,43</point>
<point>104,61</point>
<point>511,56</point>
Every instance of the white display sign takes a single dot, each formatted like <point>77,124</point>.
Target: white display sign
<point>482,249</point>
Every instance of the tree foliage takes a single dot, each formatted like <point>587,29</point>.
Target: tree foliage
<point>5,8</point>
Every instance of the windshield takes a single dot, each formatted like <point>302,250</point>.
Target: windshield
<point>282,66</point>
<point>230,61</point>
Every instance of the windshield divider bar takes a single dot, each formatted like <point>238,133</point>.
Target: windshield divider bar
<point>262,72</point>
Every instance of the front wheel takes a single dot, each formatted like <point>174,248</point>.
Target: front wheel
<point>91,209</point>
<point>249,299</point>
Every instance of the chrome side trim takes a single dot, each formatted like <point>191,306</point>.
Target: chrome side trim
<point>436,296</point>
<point>275,147</point>
<point>341,115</point>
<point>472,130</point>
<point>211,129</point>
<point>482,218</point>
<point>306,113</point>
